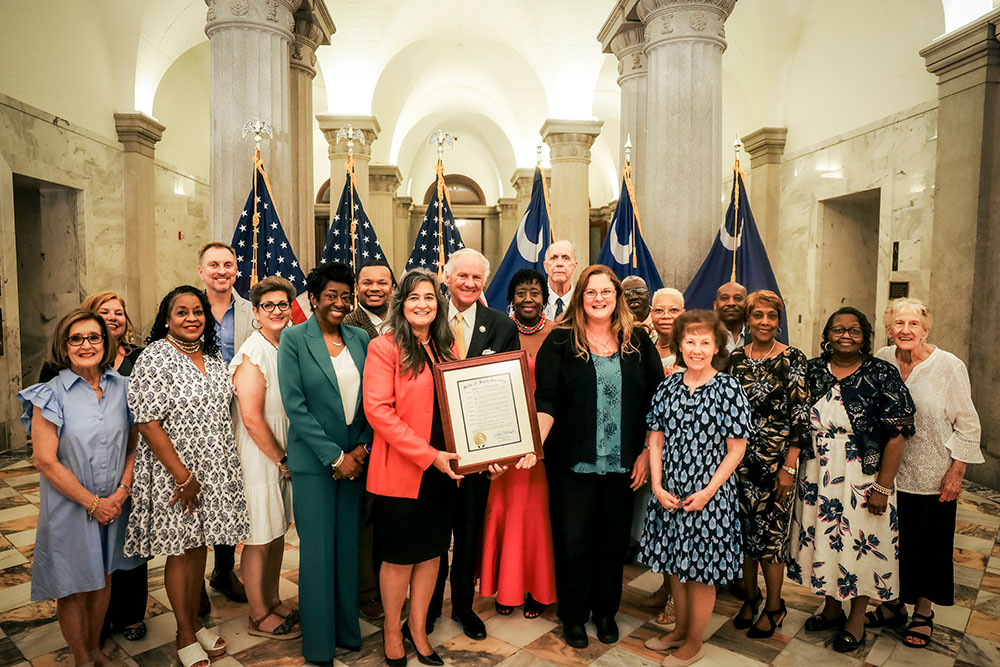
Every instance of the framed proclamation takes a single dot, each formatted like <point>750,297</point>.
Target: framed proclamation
<point>487,410</point>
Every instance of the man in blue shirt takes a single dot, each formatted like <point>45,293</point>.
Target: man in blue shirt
<point>233,315</point>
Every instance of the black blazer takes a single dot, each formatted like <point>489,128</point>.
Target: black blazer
<point>566,388</point>
<point>494,331</point>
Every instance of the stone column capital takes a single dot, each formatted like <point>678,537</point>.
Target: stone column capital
<point>138,132</point>
<point>765,146</point>
<point>669,20</point>
<point>330,123</point>
<point>313,28</point>
<point>385,178</point>
<point>521,180</point>
<point>271,15</point>
<point>570,140</point>
<point>629,46</point>
<point>967,57</point>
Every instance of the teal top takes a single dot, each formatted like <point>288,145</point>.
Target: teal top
<point>609,417</point>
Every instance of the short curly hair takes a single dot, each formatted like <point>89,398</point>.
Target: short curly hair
<point>329,272</point>
<point>527,276</point>
<point>706,321</point>
<point>867,332</point>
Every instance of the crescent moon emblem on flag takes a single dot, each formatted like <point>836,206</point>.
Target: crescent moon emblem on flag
<point>729,241</point>
<point>621,253</point>
<point>528,249</point>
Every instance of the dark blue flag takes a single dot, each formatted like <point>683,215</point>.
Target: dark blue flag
<point>738,236</point>
<point>527,250</point>
<point>262,249</point>
<point>624,249</point>
<point>438,235</point>
<point>338,239</point>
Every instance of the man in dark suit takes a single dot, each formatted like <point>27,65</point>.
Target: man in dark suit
<point>374,286</point>
<point>478,331</point>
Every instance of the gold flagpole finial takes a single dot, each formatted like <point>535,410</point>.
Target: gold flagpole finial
<point>258,128</point>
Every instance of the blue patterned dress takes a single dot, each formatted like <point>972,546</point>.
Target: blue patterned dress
<point>703,546</point>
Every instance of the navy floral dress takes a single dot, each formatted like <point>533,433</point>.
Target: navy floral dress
<point>706,545</point>
<point>840,549</point>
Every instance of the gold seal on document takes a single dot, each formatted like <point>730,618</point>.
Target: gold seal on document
<point>479,439</point>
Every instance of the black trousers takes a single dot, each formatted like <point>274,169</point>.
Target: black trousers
<point>926,539</point>
<point>225,557</point>
<point>129,593</point>
<point>591,521</point>
<point>467,549</point>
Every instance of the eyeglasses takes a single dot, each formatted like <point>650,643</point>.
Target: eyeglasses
<point>269,306</point>
<point>76,340</point>
<point>608,293</point>
<point>853,332</point>
<point>637,291</point>
<point>673,311</point>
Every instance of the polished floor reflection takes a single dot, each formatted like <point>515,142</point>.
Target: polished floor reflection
<point>966,634</point>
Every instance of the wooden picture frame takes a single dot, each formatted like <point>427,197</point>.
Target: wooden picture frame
<point>488,410</point>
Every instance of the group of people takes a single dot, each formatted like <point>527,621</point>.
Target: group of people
<point>229,424</point>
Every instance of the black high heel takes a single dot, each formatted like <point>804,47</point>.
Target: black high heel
<point>393,662</point>
<point>754,605</point>
<point>432,659</point>
<point>756,633</point>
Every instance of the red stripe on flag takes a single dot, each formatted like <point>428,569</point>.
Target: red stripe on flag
<point>301,308</point>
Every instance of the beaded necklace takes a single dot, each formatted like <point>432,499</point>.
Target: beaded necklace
<point>526,330</point>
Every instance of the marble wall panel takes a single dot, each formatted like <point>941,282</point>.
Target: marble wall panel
<point>896,156</point>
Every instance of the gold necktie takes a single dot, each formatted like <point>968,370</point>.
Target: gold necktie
<point>460,335</point>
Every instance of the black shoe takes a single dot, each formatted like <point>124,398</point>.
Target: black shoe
<point>576,636</point>
<point>607,629</point>
<point>821,622</point>
<point>229,585</point>
<point>471,624</point>
<point>204,604</point>
<point>432,659</point>
<point>774,618</point>
<point>394,662</point>
<point>848,643</point>
<point>754,605</point>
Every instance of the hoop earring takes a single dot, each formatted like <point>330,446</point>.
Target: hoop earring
<point>825,346</point>
<point>255,324</point>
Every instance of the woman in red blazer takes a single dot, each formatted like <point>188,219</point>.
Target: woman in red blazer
<point>409,470</point>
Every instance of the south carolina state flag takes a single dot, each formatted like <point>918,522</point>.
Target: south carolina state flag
<point>624,250</point>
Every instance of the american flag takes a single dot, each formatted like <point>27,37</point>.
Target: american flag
<point>338,239</point>
<point>427,248</point>
<point>259,229</point>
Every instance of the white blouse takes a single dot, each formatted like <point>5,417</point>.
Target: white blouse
<point>946,423</point>
<point>349,380</point>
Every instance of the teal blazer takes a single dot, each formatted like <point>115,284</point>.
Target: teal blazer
<point>317,432</point>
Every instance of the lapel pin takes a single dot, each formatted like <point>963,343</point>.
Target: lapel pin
<point>482,328</point>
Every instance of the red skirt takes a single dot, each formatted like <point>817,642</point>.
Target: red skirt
<point>517,539</point>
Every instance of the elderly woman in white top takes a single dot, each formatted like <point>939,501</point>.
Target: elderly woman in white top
<point>930,475</point>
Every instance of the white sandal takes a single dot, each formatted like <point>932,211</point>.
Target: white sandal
<point>193,654</point>
<point>211,643</point>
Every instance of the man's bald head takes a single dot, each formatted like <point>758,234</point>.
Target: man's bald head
<point>560,263</point>
<point>636,297</point>
<point>730,300</point>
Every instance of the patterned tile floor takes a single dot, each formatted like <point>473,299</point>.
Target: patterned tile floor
<point>966,634</point>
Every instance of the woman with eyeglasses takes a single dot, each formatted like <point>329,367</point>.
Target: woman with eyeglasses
<point>845,528</point>
<point>596,374</point>
<point>320,366</point>
<point>261,429</point>
<point>668,305</point>
<point>84,448</point>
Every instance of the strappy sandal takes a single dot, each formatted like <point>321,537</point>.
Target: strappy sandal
<point>293,615</point>
<point>754,605</point>
<point>134,634</point>
<point>286,630</point>
<point>213,644</point>
<point>879,618</point>
<point>193,654</point>
<point>502,609</point>
<point>756,633</point>
<point>532,607</point>
<point>919,621</point>
<point>846,642</point>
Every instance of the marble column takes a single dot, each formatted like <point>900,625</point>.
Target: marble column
<point>313,28</point>
<point>682,204</point>
<point>521,180</point>
<point>383,181</point>
<point>402,234</point>
<point>765,147</point>
<point>249,41</point>
<point>330,123</point>
<point>965,244</point>
<point>569,152</point>
<point>138,134</point>
<point>509,216</point>
<point>626,40</point>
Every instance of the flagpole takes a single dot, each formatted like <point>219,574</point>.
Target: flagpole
<point>351,135</point>
<point>259,128</point>
<point>736,205</point>
<point>545,192</point>
<point>440,138</point>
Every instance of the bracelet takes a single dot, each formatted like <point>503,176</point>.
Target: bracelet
<point>881,489</point>
<point>128,489</point>
<point>181,487</point>
<point>790,470</point>
<point>340,459</point>
<point>283,460</point>
<point>93,506</point>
